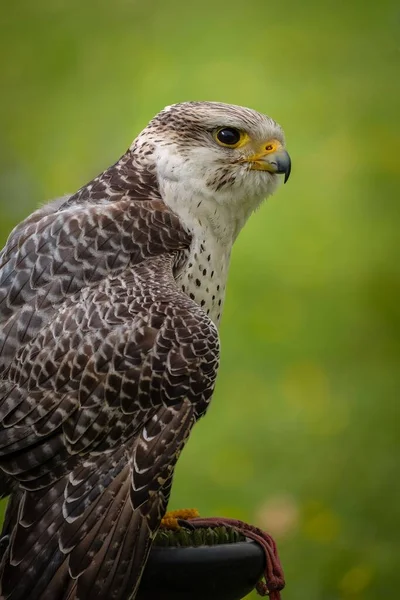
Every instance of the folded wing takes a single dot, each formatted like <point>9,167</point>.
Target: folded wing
<point>104,368</point>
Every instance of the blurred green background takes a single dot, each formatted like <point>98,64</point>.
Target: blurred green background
<point>301,435</point>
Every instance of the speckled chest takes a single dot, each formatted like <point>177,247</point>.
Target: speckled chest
<point>204,274</point>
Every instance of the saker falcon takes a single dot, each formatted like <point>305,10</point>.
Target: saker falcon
<point>110,301</point>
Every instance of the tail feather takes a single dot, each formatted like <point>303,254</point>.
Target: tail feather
<point>88,536</point>
<point>49,558</point>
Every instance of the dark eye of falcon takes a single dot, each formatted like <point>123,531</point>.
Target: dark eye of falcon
<point>228,136</point>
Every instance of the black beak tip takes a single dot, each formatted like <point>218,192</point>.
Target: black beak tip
<point>287,173</point>
<point>284,165</point>
<point>288,169</point>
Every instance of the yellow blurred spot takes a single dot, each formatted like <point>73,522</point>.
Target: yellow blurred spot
<point>278,515</point>
<point>306,389</point>
<point>334,421</point>
<point>323,526</point>
<point>335,157</point>
<point>356,580</point>
<point>287,320</point>
<point>232,467</point>
<point>306,386</point>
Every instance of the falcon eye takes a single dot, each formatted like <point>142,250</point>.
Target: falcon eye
<point>229,136</point>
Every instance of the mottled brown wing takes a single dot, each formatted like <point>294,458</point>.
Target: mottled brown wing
<point>54,255</point>
<point>105,365</point>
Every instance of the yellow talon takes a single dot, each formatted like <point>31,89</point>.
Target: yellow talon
<point>171,518</point>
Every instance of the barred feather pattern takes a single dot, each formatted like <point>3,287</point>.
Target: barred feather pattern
<point>105,365</point>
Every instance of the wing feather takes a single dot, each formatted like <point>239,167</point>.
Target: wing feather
<point>104,368</point>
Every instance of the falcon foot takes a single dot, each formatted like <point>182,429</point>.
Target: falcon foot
<point>172,518</point>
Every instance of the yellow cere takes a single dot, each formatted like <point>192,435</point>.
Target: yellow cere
<point>269,147</point>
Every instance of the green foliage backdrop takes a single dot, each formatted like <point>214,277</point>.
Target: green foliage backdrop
<point>301,435</point>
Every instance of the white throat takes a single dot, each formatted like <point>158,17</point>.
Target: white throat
<point>204,274</point>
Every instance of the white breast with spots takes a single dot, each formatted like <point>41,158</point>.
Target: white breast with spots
<point>203,277</point>
<point>213,229</point>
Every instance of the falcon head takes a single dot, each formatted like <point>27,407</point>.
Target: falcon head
<point>227,158</point>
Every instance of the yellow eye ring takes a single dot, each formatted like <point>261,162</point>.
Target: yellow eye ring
<point>230,137</point>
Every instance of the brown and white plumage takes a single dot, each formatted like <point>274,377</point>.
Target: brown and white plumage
<point>109,305</point>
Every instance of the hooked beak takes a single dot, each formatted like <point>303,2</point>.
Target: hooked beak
<point>275,161</point>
